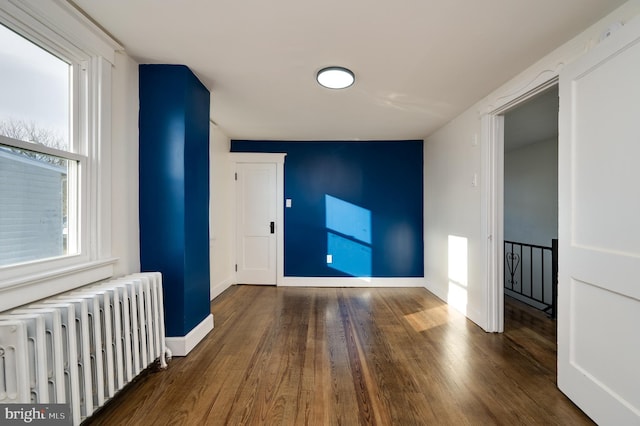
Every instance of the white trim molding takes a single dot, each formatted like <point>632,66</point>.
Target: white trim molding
<point>360,282</point>
<point>59,19</point>
<point>30,288</point>
<point>218,288</point>
<point>492,219</point>
<point>181,346</point>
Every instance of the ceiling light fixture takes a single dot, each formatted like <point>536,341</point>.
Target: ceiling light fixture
<point>335,77</point>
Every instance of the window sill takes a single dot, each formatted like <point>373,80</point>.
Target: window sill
<point>29,288</point>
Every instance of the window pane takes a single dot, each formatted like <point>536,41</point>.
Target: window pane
<point>34,106</point>
<point>35,194</point>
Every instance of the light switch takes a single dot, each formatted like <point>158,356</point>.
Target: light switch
<point>287,203</point>
<point>329,258</point>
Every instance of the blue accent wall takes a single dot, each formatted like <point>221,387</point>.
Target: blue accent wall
<point>361,202</point>
<point>174,190</point>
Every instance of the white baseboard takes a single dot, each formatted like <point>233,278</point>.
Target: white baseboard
<point>181,346</point>
<point>217,289</point>
<point>441,292</point>
<point>351,282</point>
<point>438,291</point>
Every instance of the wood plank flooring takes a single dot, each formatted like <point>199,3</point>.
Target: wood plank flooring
<point>343,356</point>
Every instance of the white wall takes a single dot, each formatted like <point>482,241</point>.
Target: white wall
<point>125,239</point>
<point>452,213</point>
<point>222,210</point>
<point>531,193</point>
<point>453,207</point>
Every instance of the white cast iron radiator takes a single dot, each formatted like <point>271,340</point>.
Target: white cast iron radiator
<point>82,347</point>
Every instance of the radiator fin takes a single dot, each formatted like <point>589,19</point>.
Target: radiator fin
<point>83,346</point>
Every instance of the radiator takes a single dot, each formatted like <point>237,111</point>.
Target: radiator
<point>80,348</point>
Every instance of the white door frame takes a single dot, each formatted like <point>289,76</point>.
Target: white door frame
<point>492,124</point>
<point>278,160</point>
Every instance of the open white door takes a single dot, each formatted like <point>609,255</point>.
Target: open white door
<point>599,230</point>
<point>256,208</point>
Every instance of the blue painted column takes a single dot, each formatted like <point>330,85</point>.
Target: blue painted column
<point>174,191</point>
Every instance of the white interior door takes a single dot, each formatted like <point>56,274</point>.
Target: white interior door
<point>256,189</point>
<point>599,230</point>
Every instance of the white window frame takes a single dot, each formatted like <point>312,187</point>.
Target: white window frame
<point>76,182</point>
<point>62,30</point>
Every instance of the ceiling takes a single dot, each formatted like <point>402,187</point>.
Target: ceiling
<point>418,63</point>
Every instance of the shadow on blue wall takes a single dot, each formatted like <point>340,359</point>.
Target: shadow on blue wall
<point>359,201</point>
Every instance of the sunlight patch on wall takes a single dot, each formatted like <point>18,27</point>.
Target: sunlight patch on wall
<point>348,237</point>
<point>348,219</point>
<point>458,273</point>
<point>349,256</point>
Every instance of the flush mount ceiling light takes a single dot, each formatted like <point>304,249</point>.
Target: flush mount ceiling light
<point>335,77</point>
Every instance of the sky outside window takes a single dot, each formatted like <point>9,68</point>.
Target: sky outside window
<point>35,87</point>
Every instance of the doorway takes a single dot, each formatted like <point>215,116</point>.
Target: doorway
<point>530,208</point>
<point>259,218</point>
<point>530,225</point>
<point>256,208</point>
<point>493,127</point>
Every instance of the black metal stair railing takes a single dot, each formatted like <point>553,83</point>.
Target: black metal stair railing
<point>531,274</point>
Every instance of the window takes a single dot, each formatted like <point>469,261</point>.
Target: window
<point>55,80</point>
<point>38,219</point>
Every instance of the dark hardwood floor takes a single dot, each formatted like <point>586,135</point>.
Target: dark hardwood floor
<point>532,333</point>
<point>343,356</point>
